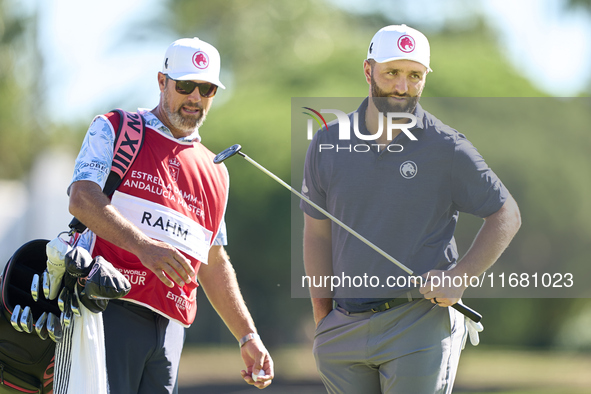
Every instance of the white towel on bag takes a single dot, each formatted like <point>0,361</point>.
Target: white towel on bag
<point>80,363</point>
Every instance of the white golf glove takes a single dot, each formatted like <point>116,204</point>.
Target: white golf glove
<point>473,330</point>
<point>56,251</point>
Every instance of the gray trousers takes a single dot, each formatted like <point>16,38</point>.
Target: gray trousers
<point>143,350</point>
<point>413,348</point>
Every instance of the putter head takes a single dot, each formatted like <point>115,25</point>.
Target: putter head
<point>226,153</point>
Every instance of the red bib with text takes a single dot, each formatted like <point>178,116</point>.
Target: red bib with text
<point>174,193</point>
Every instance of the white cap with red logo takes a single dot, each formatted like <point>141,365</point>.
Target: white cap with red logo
<point>400,42</point>
<point>190,59</point>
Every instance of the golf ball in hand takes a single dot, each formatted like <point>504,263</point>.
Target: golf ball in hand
<point>261,373</point>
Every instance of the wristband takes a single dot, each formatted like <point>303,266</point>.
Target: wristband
<point>247,338</point>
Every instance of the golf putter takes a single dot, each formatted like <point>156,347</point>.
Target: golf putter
<point>40,326</point>
<point>14,319</point>
<point>35,287</point>
<point>45,284</point>
<point>235,149</point>
<point>26,320</point>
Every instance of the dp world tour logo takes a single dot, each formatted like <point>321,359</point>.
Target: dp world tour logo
<point>345,129</point>
<point>406,44</point>
<point>200,60</point>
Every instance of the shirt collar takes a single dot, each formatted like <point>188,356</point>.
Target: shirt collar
<point>419,112</point>
<point>154,122</point>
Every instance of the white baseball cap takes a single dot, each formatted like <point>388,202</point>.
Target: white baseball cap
<point>399,42</point>
<point>191,59</point>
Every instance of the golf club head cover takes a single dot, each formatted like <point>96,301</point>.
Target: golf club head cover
<point>56,251</point>
<point>105,282</point>
<point>98,281</point>
<point>79,262</point>
<point>93,305</point>
<point>473,330</point>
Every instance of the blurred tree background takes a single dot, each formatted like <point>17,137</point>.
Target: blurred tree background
<point>17,93</point>
<point>275,50</point>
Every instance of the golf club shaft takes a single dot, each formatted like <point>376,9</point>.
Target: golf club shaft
<point>334,219</point>
<point>470,313</point>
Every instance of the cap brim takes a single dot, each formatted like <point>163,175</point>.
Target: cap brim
<point>197,77</point>
<point>389,59</point>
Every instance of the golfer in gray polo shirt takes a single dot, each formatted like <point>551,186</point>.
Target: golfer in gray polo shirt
<point>404,194</point>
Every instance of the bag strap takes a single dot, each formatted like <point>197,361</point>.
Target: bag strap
<point>129,139</point>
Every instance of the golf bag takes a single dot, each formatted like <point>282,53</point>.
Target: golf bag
<point>26,361</point>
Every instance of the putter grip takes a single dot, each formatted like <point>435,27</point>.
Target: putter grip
<point>468,312</point>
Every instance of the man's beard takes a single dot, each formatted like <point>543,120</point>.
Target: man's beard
<point>182,122</point>
<point>384,104</point>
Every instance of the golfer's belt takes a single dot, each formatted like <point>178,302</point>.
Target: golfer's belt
<point>393,303</point>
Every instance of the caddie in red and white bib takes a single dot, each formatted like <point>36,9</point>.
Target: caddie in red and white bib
<point>173,193</point>
<point>162,227</point>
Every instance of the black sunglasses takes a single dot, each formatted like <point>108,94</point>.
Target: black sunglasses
<point>206,89</point>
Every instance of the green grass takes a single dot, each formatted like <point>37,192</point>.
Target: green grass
<point>482,369</point>
<point>510,371</point>
<point>536,391</point>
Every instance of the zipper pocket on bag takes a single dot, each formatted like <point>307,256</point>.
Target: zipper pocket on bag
<point>17,387</point>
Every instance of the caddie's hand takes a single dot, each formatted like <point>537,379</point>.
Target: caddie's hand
<point>443,288</point>
<point>257,358</point>
<point>166,262</point>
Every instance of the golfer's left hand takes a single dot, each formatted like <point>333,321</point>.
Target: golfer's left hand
<point>256,357</point>
<point>441,288</point>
